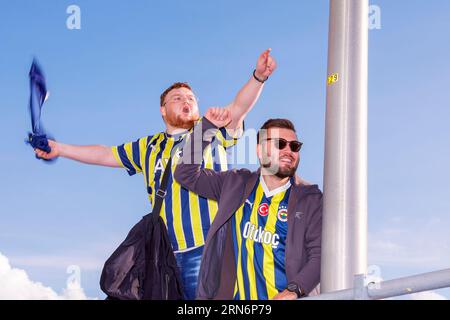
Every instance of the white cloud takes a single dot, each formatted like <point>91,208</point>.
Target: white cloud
<point>16,285</point>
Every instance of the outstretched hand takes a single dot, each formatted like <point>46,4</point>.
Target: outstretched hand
<point>50,155</point>
<point>265,65</point>
<point>220,117</point>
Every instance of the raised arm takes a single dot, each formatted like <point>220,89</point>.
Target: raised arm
<point>249,93</point>
<point>96,154</point>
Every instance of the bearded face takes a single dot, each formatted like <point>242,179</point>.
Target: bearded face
<point>180,109</point>
<point>279,162</point>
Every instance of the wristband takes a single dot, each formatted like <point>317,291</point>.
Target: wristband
<point>257,79</point>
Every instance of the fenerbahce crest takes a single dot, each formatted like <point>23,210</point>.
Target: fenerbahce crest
<point>282,214</point>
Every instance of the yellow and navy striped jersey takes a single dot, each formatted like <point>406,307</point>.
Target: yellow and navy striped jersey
<point>259,229</point>
<point>187,215</point>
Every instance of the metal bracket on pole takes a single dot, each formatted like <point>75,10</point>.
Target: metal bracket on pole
<point>359,288</point>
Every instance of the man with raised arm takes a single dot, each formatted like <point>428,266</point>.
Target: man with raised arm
<point>187,215</point>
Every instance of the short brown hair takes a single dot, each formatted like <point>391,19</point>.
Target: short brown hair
<point>176,85</point>
<point>276,123</point>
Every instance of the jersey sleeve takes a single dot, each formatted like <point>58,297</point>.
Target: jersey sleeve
<point>130,155</point>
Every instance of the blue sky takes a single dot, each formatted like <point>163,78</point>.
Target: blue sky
<point>105,81</point>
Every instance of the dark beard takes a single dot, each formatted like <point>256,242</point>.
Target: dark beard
<point>285,174</point>
<point>281,173</point>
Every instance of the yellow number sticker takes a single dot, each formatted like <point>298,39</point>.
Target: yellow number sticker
<point>333,78</point>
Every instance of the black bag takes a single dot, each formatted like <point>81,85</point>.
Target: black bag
<point>144,267</point>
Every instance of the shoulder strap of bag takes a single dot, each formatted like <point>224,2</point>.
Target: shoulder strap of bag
<point>161,192</point>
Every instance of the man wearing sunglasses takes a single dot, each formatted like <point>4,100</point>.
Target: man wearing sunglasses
<point>187,215</point>
<point>265,242</point>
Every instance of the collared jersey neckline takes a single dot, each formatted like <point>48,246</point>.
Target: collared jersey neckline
<point>268,193</point>
<point>177,136</point>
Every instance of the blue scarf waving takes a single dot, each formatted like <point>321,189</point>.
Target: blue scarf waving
<point>38,95</point>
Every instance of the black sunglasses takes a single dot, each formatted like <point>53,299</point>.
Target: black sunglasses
<point>281,143</point>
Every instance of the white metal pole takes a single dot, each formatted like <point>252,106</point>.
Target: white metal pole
<point>344,243</point>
